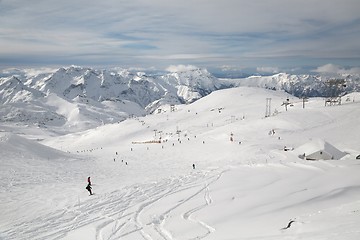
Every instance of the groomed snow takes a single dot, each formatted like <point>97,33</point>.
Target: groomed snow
<point>247,188</point>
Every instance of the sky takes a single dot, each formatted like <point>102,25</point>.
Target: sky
<point>228,35</point>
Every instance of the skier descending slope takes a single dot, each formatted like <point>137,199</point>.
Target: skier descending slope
<point>88,187</point>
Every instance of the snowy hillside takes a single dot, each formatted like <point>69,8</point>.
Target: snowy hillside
<point>213,169</point>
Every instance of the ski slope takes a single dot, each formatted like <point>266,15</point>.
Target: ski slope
<point>247,188</point>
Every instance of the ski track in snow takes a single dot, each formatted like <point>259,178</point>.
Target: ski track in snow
<point>188,215</point>
<point>120,213</point>
<point>124,212</point>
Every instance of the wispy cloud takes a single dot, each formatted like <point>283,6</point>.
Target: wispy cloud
<point>336,69</point>
<point>229,32</point>
<point>180,68</point>
<point>268,69</point>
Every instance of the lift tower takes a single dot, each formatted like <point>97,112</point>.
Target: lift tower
<point>334,90</point>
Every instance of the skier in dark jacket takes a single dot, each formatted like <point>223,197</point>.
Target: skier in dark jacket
<point>88,187</point>
<point>89,181</point>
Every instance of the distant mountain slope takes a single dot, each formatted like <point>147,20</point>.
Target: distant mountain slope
<point>138,87</point>
<point>13,90</point>
<point>300,85</point>
<point>96,97</point>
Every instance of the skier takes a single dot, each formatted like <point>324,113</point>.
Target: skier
<point>193,165</point>
<point>89,181</point>
<point>88,187</point>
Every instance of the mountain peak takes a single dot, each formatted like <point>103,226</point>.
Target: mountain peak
<point>13,90</point>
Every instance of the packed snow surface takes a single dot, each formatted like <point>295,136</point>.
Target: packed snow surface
<point>221,171</point>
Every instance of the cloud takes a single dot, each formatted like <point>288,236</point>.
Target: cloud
<point>228,68</point>
<point>162,32</point>
<point>268,69</point>
<point>328,68</point>
<point>180,68</point>
<point>335,69</point>
<point>29,72</point>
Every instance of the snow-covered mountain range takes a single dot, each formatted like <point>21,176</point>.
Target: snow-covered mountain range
<point>96,97</point>
<point>303,85</point>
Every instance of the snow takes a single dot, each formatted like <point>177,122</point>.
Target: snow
<point>248,188</point>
